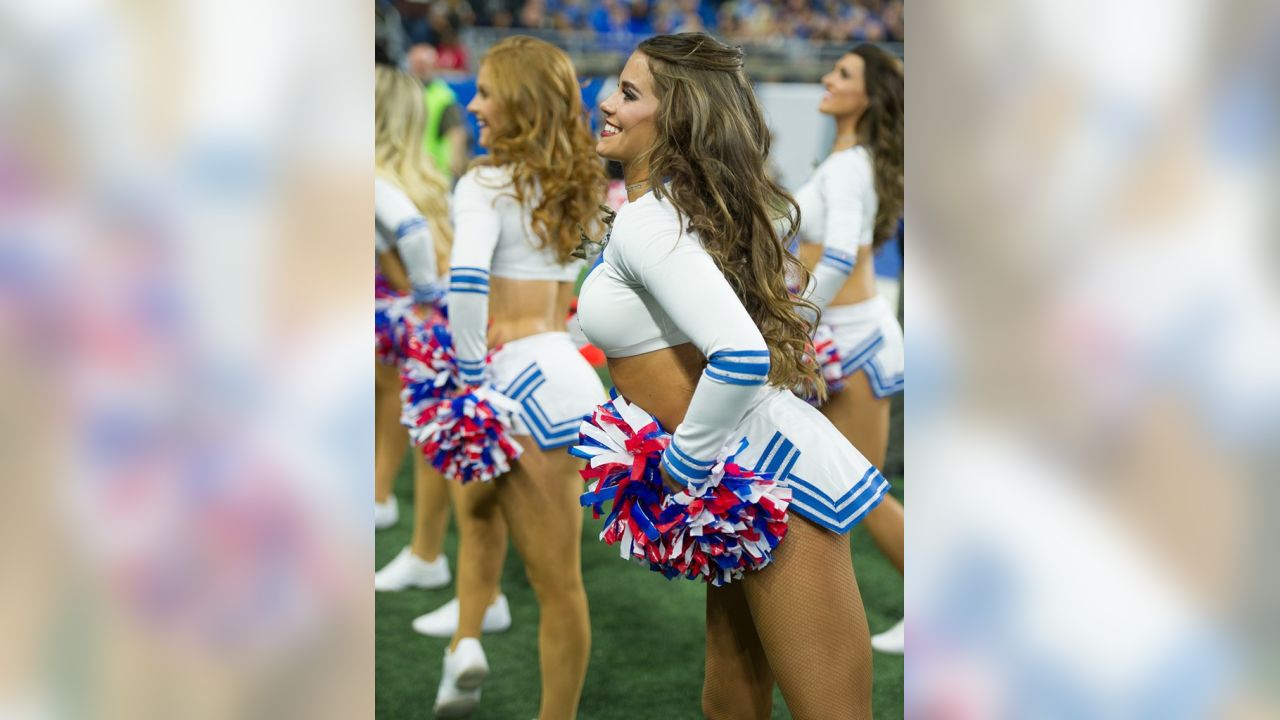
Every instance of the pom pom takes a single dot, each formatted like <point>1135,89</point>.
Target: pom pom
<point>429,372</point>
<point>464,431</point>
<point>829,360</point>
<point>393,322</point>
<point>713,530</point>
<point>725,525</point>
<point>467,436</point>
<point>829,363</point>
<point>382,288</point>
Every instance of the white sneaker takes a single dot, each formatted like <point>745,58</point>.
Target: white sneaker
<point>408,570</point>
<point>443,621</point>
<point>465,670</point>
<point>892,641</point>
<point>385,514</point>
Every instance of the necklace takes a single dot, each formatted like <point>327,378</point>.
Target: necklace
<point>633,186</point>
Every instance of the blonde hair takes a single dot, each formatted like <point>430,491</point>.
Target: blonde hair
<point>546,138</point>
<point>712,146</point>
<point>399,122</point>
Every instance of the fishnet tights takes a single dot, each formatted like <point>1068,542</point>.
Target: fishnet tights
<point>799,622</point>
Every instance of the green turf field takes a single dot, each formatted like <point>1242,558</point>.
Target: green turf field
<point>647,643</point>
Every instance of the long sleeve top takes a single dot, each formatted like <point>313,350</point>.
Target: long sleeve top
<point>399,225</point>
<point>837,210</point>
<point>654,287</point>
<point>492,238</point>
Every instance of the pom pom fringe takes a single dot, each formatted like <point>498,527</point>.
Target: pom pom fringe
<point>713,530</point>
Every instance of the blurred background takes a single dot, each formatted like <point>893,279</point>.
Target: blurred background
<point>788,47</point>
<point>1090,302</point>
<point>795,39</point>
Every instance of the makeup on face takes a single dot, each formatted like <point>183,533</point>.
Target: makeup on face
<point>629,113</point>
<point>485,106</point>
<point>845,85</point>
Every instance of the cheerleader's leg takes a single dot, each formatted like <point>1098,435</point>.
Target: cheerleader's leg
<point>482,550</point>
<point>539,499</point>
<point>738,684</point>
<point>812,625</point>
<point>430,510</point>
<point>391,438</point>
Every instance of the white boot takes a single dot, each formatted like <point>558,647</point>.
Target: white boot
<point>892,641</point>
<point>408,570</point>
<point>465,670</point>
<point>443,621</point>
<point>386,513</point>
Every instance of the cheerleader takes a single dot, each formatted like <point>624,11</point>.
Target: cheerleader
<point>689,302</point>
<point>848,208</point>
<point>411,235</point>
<point>402,169</point>
<point>518,214</point>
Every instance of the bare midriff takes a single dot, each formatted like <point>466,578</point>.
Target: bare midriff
<point>861,284</point>
<point>520,308</point>
<point>661,381</point>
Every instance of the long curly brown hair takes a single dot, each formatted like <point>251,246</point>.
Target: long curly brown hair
<point>546,140</point>
<point>880,130</point>
<point>712,147</point>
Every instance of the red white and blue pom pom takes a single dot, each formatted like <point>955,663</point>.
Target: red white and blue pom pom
<point>713,530</point>
<point>429,372</point>
<point>467,436</point>
<point>381,287</point>
<point>622,445</point>
<point>730,523</point>
<point>829,361</point>
<point>464,431</point>
<point>393,322</point>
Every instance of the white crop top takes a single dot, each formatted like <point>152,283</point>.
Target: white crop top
<point>655,287</point>
<point>493,236</point>
<point>398,224</point>
<point>838,210</point>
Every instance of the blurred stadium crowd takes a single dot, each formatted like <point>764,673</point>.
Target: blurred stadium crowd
<point>442,23</point>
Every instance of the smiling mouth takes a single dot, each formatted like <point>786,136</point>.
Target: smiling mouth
<point>609,130</point>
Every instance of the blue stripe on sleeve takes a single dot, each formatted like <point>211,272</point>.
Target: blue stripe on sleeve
<point>680,470</point>
<point>413,224</point>
<point>688,459</point>
<point>711,373</point>
<point>740,362</point>
<point>749,368</point>
<point>468,283</point>
<point>843,262</point>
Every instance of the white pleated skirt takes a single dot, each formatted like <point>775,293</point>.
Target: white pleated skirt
<point>870,341</point>
<point>832,484</point>
<point>553,384</point>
